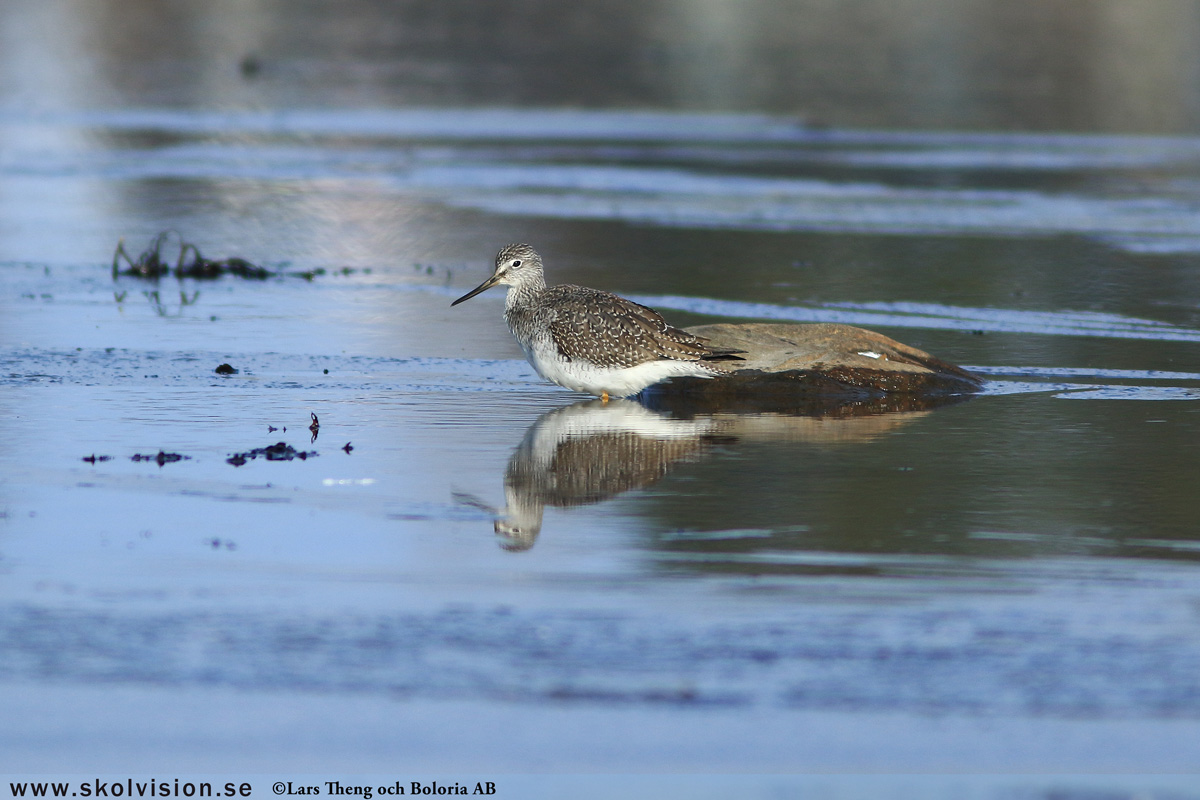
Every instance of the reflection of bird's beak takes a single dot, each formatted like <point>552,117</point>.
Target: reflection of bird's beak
<point>483,287</point>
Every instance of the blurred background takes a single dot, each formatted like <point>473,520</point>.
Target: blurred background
<point>1059,65</point>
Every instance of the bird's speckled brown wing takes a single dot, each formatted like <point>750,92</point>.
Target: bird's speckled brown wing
<point>610,331</point>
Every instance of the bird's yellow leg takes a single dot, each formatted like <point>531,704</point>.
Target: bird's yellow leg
<point>604,397</point>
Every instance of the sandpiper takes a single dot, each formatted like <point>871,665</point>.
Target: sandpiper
<point>591,341</point>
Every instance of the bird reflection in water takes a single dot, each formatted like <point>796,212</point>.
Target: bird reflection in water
<point>591,451</point>
<point>584,453</point>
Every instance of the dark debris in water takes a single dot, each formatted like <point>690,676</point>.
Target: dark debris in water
<point>160,457</point>
<point>189,262</point>
<point>674,697</point>
<point>280,451</point>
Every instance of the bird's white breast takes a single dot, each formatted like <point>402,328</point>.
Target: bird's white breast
<point>583,376</point>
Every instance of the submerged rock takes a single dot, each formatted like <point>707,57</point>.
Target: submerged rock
<point>819,366</point>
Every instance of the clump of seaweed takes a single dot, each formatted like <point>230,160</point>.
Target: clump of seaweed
<point>151,263</point>
<point>154,262</point>
<point>160,458</point>
<point>280,451</point>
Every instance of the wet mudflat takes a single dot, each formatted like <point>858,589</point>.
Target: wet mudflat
<point>473,571</point>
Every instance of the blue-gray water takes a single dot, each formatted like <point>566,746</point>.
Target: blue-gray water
<point>1006,587</point>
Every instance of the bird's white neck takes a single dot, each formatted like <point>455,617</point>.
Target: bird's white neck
<point>525,293</point>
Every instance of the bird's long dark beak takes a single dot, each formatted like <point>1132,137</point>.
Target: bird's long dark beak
<point>483,287</point>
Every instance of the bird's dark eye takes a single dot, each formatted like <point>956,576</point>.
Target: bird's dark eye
<point>517,263</point>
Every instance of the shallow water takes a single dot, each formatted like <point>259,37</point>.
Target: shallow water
<point>497,574</point>
<point>1007,562</point>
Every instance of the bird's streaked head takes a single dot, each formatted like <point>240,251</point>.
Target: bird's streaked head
<point>515,264</point>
